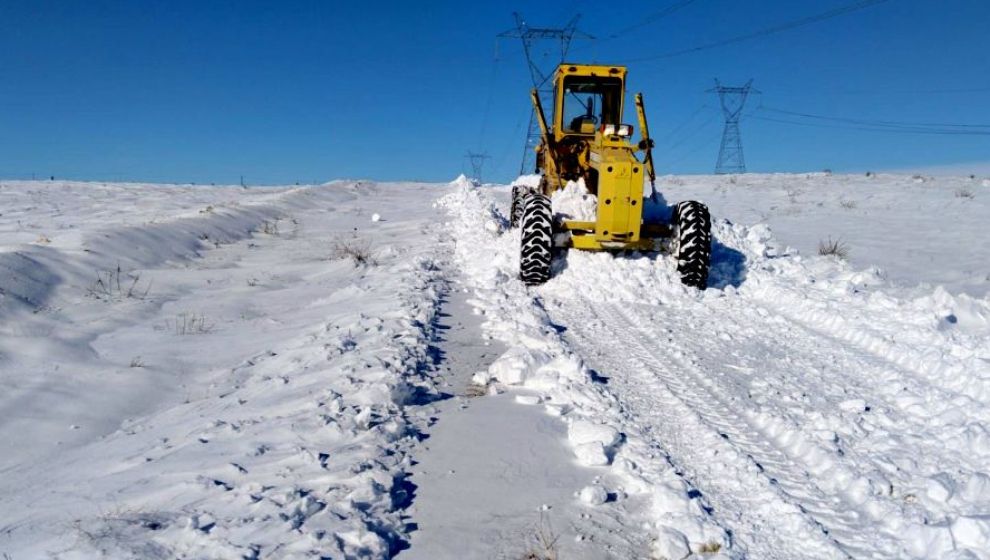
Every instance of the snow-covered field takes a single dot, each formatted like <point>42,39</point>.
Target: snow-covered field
<point>352,370</point>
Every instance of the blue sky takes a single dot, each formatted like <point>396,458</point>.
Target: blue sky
<point>311,91</point>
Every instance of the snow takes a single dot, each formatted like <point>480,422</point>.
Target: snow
<point>594,495</point>
<point>276,423</point>
<point>807,407</point>
<point>912,230</point>
<point>574,202</point>
<point>220,372</point>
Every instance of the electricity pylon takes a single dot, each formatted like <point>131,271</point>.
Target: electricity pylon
<point>730,153</point>
<point>477,162</point>
<point>540,71</point>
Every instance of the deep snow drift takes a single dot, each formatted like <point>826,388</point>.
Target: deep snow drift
<point>216,372</point>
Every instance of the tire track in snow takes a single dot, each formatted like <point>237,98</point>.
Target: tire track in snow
<point>943,372</point>
<point>889,383</point>
<point>845,485</point>
<point>829,509</point>
<point>766,519</point>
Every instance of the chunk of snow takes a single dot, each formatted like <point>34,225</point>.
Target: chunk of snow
<point>591,454</point>
<point>670,544</point>
<point>853,405</point>
<point>376,217</point>
<point>594,495</point>
<point>972,531</point>
<point>582,431</point>
<point>940,487</point>
<point>574,202</point>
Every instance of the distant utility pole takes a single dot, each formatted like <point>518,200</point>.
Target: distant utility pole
<point>540,71</point>
<point>730,154</point>
<point>477,162</point>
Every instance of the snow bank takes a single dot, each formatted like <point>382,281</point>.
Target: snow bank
<point>538,359</point>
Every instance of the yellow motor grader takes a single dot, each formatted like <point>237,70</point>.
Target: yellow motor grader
<point>586,139</point>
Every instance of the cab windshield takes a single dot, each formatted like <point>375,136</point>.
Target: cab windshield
<point>589,102</point>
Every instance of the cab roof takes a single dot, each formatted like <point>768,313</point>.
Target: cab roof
<point>577,69</point>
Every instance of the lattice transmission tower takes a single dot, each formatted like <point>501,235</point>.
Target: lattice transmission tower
<point>730,153</point>
<point>477,163</point>
<point>540,71</point>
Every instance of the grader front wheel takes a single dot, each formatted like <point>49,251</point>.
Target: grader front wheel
<point>693,236</point>
<point>536,240</point>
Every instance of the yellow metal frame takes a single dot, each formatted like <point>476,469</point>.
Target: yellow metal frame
<point>607,161</point>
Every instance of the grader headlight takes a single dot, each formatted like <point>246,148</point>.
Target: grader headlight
<point>624,130</point>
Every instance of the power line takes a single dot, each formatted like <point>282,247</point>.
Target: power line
<point>862,4</point>
<point>694,132</point>
<point>935,91</point>
<point>935,131</point>
<point>649,19</point>
<point>881,123</point>
<point>686,121</point>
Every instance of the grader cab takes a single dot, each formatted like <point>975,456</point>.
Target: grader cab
<point>587,140</point>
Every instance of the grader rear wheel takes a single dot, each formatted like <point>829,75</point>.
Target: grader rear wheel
<point>519,194</point>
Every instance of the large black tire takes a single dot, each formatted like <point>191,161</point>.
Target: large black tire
<point>693,233</point>
<point>519,194</point>
<point>537,240</point>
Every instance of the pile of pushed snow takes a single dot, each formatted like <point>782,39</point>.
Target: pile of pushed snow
<point>531,181</point>
<point>538,359</point>
<point>574,202</point>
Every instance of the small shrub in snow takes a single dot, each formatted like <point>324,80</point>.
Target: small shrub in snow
<point>544,546</point>
<point>355,249</point>
<point>710,548</point>
<point>270,228</point>
<point>475,390</point>
<point>847,204</point>
<point>964,193</point>
<point>114,284</point>
<point>189,323</point>
<point>833,248</point>
<point>136,362</point>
